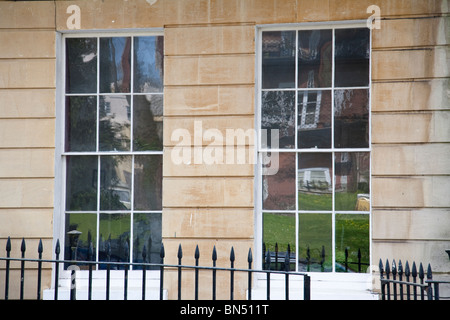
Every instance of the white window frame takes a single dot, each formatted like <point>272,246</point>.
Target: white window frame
<point>59,214</point>
<point>363,277</point>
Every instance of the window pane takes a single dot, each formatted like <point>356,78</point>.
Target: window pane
<point>81,183</point>
<point>115,116</point>
<point>115,67</point>
<point>314,119</point>
<point>351,122</point>
<point>115,183</point>
<point>352,233</point>
<point>315,242</point>
<point>278,112</point>
<point>279,188</point>
<point>315,172</point>
<point>278,59</point>
<point>352,181</point>
<point>115,229</point>
<point>352,52</point>
<point>81,65</point>
<point>147,122</point>
<point>314,58</point>
<point>279,234</point>
<point>148,183</point>
<point>148,64</point>
<point>81,230</point>
<point>147,232</point>
<point>81,119</point>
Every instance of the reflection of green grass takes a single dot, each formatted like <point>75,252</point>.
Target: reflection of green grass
<point>315,231</point>
<point>279,228</point>
<point>344,201</point>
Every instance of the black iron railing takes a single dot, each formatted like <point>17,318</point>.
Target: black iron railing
<point>57,263</point>
<point>409,283</point>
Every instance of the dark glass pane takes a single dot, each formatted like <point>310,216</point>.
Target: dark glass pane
<point>278,113</point>
<point>115,67</point>
<point>352,181</point>
<point>148,64</point>
<point>314,58</point>
<point>81,230</point>
<point>115,119</point>
<point>148,182</point>
<point>115,230</point>
<point>352,53</point>
<point>147,230</point>
<point>315,242</point>
<point>315,183</point>
<point>314,119</point>
<point>352,233</point>
<point>81,65</point>
<point>279,188</point>
<point>81,183</point>
<point>278,59</point>
<point>147,122</point>
<point>115,183</point>
<point>351,118</point>
<point>81,119</point>
<point>279,236</point>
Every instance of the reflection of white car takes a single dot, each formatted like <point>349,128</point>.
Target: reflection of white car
<point>314,179</point>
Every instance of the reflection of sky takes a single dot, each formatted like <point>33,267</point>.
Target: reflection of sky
<point>119,45</point>
<point>145,49</point>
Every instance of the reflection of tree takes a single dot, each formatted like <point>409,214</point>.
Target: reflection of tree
<point>147,131</point>
<point>81,63</point>
<point>279,113</point>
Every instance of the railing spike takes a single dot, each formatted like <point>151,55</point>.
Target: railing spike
<point>380,266</point>
<point>144,253</point>
<point>407,270</point>
<point>214,254</point>
<point>232,257</point>
<point>250,257</point>
<point>23,246</point>
<point>40,246</point>
<point>414,269</point>
<point>388,268</point>
<point>162,252</point>
<point>180,252</point>
<point>57,247</point>
<point>197,253</point>
<point>8,245</point>
<point>394,267</point>
<point>429,272</point>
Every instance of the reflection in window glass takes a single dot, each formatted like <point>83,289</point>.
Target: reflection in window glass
<point>81,231</point>
<point>114,233</point>
<point>148,64</point>
<point>279,189</point>
<point>352,243</point>
<point>352,52</point>
<point>278,59</point>
<point>315,242</point>
<point>81,65</point>
<point>114,130</point>
<point>115,66</point>
<point>148,122</point>
<point>352,181</point>
<point>278,113</point>
<point>115,183</point>
<point>148,183</point>
<point>147,235</point>
<point>314,58</point>
<point>81,183</point>
<point>279,236</point>
<point>315,90</point>
<point>81,120</point>
<point>314,119</point>
<point>351,118</point>
<point>315,172</point>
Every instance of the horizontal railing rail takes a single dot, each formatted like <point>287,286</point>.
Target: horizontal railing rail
<point>58,263</point>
